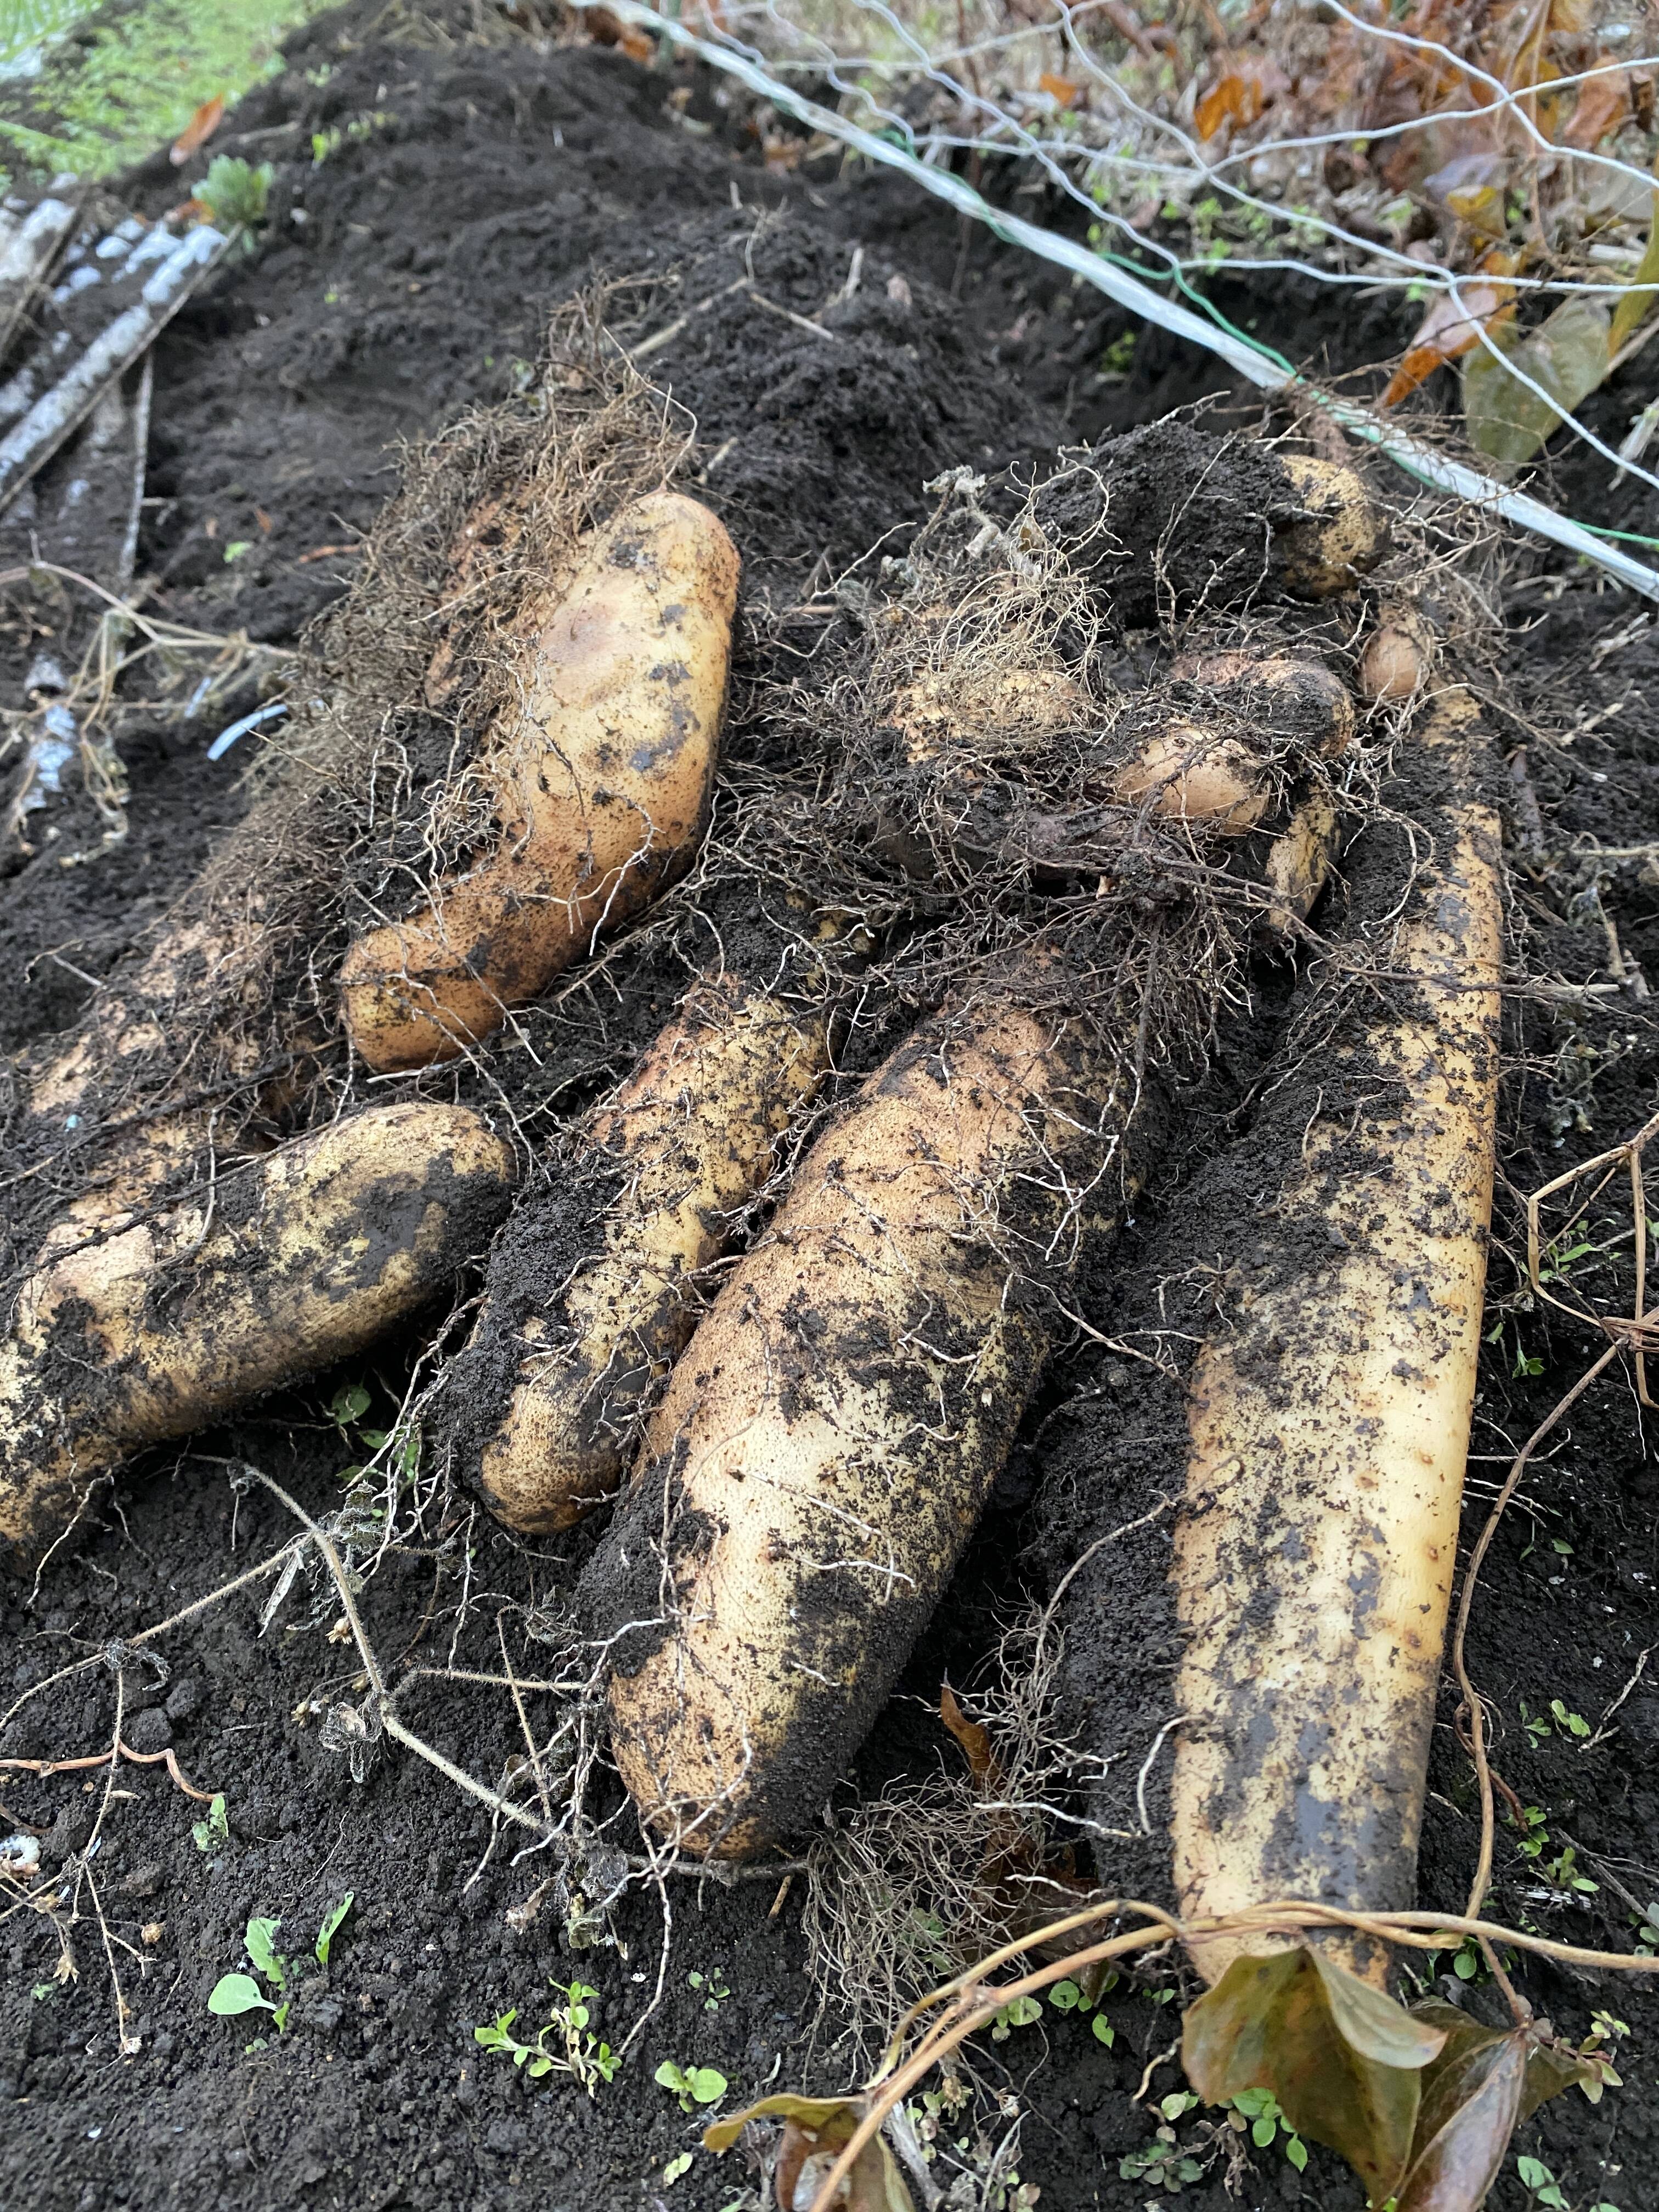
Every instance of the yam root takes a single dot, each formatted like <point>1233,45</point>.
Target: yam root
<point>1315,1559</point>
<point>1285,696</point>
<point>1337,537</point>
<point>1299,862</point>
<point>150,1331</point>
<point>683,1146</point>
<point>1174,514</point>
<point>1398,657</point>
<point>1192,774</point>
<point>827,1442</point>
<point>599,780</point>
<point>1213,768</point>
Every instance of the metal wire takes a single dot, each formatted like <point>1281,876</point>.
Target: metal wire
<point>910,62</point>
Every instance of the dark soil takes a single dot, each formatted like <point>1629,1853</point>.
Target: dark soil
<point>490,183</point>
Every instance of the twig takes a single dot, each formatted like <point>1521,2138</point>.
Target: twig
<point>117,1751</point>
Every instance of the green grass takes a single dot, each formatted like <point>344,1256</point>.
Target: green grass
<point>143,70</point>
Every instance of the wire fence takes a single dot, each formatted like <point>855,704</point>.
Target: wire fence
<point>1491,167</point>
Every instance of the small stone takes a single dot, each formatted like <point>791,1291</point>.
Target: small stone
<point>143,1881</point>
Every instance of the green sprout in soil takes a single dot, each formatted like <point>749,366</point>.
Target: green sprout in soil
<point>1258,2111</point>
<point>692,2084</point>
<point>212,1831</point>
<point>712,1987</point>
<point>234,1994</point>
<point>1542,2187</point>
<point>564,2046</point>
<point>236,195</point>
<point>1075,1997</point>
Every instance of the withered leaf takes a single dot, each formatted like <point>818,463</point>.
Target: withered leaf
<point>1342,2059</point>
<point>816,2130</point>
<point>1471,2101</point>
<point>1564,359</point>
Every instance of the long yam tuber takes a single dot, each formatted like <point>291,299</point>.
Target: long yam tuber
<point>1314,1561</point>
<point>689,1140</point>
<point>829,1439</point>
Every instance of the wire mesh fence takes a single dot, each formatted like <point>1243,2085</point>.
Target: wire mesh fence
<point>1489,167</point>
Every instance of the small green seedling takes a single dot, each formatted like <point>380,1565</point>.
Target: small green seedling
<point>1258,2111</point>
<point>1562,1873</point>
<point>1543,2188</point>
<point>1541,2184</point>
<point>346,1409</point>
<point>232,1995</point>
<point>235,193</point>
<point>692,2084</point>
<point>349,1404</point>
<point>1072,1996</point>
<point>713,1986</point>
<point>1647,1931</point>
<point>212,1831</point>
<point>583,2056</point>
<point>1019,2012</point>
<point>330,1926</point>
<point>675,2168</point>
<point>1162,2162</point>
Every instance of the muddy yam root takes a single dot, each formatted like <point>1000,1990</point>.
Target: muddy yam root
<point>1314,1557</point>
<point>298,1260</point>
<point>688,1140</point>
<point>829,1439</point>
<point>599,781</point>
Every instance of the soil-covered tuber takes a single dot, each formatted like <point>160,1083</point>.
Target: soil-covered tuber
<point>128,1336</point>
<point>827,1442</point>
<point>1330,1418</point>
<point>599,777</point>
<point>667,1168</point>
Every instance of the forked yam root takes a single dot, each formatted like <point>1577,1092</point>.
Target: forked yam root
<point>1314,1558</point>
<point>828,1441</point>
<point>690,1140</point>
<point>299,1259</point>
<point>599,780</point>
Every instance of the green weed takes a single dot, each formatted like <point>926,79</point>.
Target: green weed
<point>692,2084</point>
<point>233,1995</point>
<point>564,2046</point>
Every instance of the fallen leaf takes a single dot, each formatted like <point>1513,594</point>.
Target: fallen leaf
<point>1565,357</point>
<point>1240,94</point>
<point>1452,325</point>
<point>816,2130</point>
<point>606,29</point>
<point>1636,301</point>
<point>199,129</point>
<point>976,1743</point>
<point>1059,89</point>
<point>1343,2059</point>
<point>1471,2102</point>
<point>1602,105</point>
